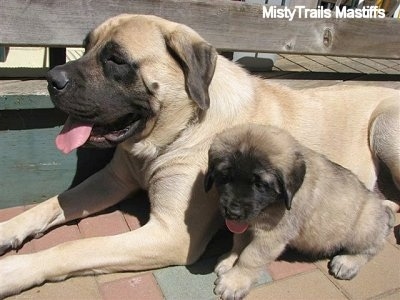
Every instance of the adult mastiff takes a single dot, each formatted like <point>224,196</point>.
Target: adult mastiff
<point>161,92</point>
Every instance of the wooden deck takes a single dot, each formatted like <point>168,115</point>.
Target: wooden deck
<point>29,123</point>
<point>336,64</point>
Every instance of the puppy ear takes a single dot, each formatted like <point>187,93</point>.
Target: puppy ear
<point>292,181</point>
<point>209,179</point>
<point>197,59</point>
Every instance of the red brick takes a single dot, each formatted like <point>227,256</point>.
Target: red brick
<point>27,247</point>
<point>110,223</point>
<point>136,210</point>
<point>283,269</point>
<point>132,222</point>
<point>142,287</point>
<point>8,213</point>
<point>57,236</point>
<point>290,263</point>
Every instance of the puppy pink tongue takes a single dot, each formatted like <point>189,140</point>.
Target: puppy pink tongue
<point>73,135</point>
<point>235,226</point>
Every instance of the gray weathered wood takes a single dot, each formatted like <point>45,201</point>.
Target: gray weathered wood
<point>226,24</point>
<point>23,87</point>
<point>12,102</point>
<point>24,94</point>
<point>31,168</point>
<point>305,3</point>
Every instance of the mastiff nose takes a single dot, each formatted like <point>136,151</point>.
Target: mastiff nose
<point>57,78</point>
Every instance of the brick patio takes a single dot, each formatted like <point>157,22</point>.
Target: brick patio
<point>293,276</point>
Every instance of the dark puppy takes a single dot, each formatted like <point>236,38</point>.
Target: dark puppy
<point>288,195</point>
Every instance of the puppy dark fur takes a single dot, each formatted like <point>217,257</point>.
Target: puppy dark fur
<point>279,193</point>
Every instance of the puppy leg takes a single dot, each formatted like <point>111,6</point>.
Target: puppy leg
<point>235,284</point>
<point>384,136</point>
<point>98,192</point>
<point>347,266</point>
<point>366,243</point>
<point>226,261</point>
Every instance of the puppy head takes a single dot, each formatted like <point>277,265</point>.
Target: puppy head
<point>245,185</point>
<point>252,172</point>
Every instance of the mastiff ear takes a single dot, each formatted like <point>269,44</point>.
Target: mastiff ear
<point>197,59</point>
<point>292,181</point>
<point>209,179</point>
<point>87,42</point>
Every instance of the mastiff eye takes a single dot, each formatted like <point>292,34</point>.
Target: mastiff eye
<point>115,60</point>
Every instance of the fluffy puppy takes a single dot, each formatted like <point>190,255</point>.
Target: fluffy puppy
<point>275,193</point>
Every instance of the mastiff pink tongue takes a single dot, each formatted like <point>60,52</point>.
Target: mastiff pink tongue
<point>235,226</point>
<point>73,135</point>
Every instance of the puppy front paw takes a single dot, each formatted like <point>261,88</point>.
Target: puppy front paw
<point>346,266</point>
<point>225,263</point>
<point>234,284</point>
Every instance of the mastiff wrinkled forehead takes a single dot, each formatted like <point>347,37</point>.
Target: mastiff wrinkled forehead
<point>133,65</point>
<point>147,40</point>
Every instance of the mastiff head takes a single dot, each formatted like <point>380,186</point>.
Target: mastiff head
<point>138,73</point>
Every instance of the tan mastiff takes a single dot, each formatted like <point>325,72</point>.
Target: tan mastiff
<point>161,92</point>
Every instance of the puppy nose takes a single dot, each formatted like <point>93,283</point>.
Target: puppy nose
<point>233,212</point>
<point>57,78</point>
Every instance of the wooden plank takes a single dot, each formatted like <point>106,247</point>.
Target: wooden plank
<point>228,25</point>
<point>11,102</point>
<point>32,169</point>
<point>347,63</point>
<point>23,87</point>
<point>24,94</point>
<point>305,3</point>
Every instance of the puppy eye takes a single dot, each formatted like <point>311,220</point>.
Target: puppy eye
<point>259,185</point>
<point>257,182</point>
<point>223,179</point>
